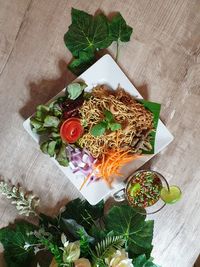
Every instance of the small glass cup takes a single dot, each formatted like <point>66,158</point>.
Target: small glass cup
<point>123,194</point>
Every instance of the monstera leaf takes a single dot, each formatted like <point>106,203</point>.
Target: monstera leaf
<point>124,220</point>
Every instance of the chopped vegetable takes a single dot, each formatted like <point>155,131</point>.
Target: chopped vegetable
<point>71,130</point>
<point>81,162</point>
<point>110,164</point>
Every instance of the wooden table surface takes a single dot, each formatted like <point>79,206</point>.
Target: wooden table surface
<point>163,62</point>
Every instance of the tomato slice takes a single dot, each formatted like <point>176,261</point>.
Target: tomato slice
<point>71,130</point>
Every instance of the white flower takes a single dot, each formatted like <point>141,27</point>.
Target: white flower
<point>119,259</point>
<point>82,262</point>
<point>71,251</point>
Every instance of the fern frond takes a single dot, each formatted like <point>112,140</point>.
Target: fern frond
<point>108,245</point>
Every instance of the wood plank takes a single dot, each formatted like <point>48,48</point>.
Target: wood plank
<point>163,62</point>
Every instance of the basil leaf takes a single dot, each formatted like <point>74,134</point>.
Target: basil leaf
<point>75,90</point>
<point>82,62</point>
<point>114,126</point>
<point>61,156</point>
<point>108,115</point>
<point>51,121</point>
<point>98,129</point>
<point>87,33</point>
<point>119,30</point>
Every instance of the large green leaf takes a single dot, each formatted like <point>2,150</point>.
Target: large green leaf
<point>13,240</point>
<point>86,32</point>
<point>155,109</point>
<point>142,261</point>
<point>124,220</point>
<point>84,213</point>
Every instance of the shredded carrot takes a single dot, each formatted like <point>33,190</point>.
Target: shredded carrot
<point>86,179</point>
<point>111,162</point>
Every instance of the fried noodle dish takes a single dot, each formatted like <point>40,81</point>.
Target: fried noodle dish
<point>136,122</point>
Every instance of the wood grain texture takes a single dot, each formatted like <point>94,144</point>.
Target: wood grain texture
<point>163,62</point>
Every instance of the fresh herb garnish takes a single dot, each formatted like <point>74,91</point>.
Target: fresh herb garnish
<point>108,123</point>
<point>88,34</point>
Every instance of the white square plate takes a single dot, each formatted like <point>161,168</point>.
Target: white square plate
<point>106,71</point>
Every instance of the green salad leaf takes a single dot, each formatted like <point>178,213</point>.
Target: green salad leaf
<point>88,34</point>
<point>75,89</point>
<point>155,109</point>
<point>142,261</point>
<point>17,243</point>
<point>126,221</point>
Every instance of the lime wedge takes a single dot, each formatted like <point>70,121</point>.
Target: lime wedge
<point>134,189</point>
<point>172,195</point>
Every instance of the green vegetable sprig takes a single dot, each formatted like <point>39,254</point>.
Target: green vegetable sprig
<point>88,34</point>
<point>107,124</point>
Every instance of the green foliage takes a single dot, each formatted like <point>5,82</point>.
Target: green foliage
<point>107,124</point>
<point>155,109</point>
<point>53,248</point>
<point>17,243</point>
<point>107,246</point>
<point>88,34</point>
<point>84,243</point>
<point>26,203</point>
<point>119,31</point>
<point>72,227</point>
<point>142,261</point>
<point>84,213</point>
<point>138,233</point>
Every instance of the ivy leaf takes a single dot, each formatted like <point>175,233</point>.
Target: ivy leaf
<point>119,30</point>
<point>14,240</point>
<point>142,261</point>
<point>98,129</point>
<point>114,126</point>
<point>51,121</point>
<point>79,64</point>
<point>75,89</point>
<point>87,33</point>
<point>83,212</point>
<point>125,220</point>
